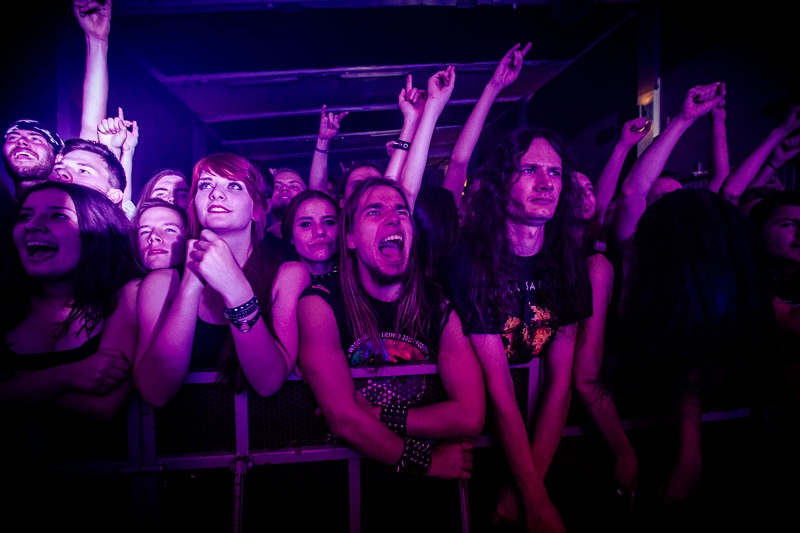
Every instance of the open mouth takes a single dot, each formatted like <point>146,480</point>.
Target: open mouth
<point>41,250</point>
<point>156,251</point>
<point>392,246</point>
<point>24,154</point>
<point>218,209</point>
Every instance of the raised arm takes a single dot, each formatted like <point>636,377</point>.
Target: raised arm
<point>744,173</point>
<point>633,131</point>
<point>632,201</point>
<point>440,88</point>
<point>329,124</point>
<point>128,149</point>
<point>718,162</point>
<point>768,173</point>
<point>114,132</point>
<point>505,74</point>
<point>95,21</point>
<point>411,102</point>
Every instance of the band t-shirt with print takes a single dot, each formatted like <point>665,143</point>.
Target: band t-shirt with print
<point>398,348</point>
<point>527,331</point>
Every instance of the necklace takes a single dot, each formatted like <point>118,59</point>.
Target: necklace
<point>327,275</point>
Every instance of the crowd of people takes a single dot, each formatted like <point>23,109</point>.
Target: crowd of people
<point>642,297</point>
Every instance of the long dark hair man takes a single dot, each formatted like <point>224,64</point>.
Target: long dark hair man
<point>519,282</point>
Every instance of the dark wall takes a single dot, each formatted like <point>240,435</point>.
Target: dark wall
<point>701,42</point>
<point>43,73</point>
<point>748,48</point>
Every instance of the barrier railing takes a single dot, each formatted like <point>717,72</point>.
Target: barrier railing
<point>209,426</point>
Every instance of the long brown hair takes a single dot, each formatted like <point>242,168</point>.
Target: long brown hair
<point>564,281</point>
<point>415,306</point>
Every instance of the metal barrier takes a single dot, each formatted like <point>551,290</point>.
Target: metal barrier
<point>208,426</point>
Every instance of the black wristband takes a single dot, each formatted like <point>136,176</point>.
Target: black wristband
<point>401,145</point>
<point>249,323</point>
<point>320,150</point>
<point>241,311</point>
<point>416,458</point>
<point>395,417</point>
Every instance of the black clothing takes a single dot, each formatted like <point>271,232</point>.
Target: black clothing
<point>532,326</point>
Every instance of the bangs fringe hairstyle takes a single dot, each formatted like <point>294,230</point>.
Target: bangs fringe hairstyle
<point>232,167</point>
<point>414,305</point>
<point>263,263</point>
<point>107,262</point>
<point>564,282</point>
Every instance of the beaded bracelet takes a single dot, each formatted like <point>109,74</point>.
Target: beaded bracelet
<point>395,417</point>
<point>249,323</point>
<point>241,311</point>
<point>416,458</point>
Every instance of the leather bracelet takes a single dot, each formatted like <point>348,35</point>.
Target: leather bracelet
<point>401,145</point>
<point>249,323</point>
<point>241,311</point>
<point>395,418</point>
<point>320,150</point>
<point>416,458</point>
<point>772,166</point>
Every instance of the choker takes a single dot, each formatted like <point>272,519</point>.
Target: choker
<point>328,275</point>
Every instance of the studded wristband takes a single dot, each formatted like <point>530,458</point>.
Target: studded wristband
<point>395,418</point>
<point>239,312</point>
<point>416,458</point>
<point>246,325</point>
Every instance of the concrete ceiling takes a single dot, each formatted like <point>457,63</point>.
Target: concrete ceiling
<point>257,73</point>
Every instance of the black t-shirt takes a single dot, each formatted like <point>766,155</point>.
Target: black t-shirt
<point>399,348</point>
<point>528,330</point>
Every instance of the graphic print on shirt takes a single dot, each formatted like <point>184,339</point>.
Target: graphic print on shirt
<point>396,349</point>
<point>524,337</point>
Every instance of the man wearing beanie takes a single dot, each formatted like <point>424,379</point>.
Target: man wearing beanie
<point>30,147</point>
<point>29,153</point>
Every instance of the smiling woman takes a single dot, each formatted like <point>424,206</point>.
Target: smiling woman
<point>75,255</point>
<point>67,320</point>
<point>68,324</point>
